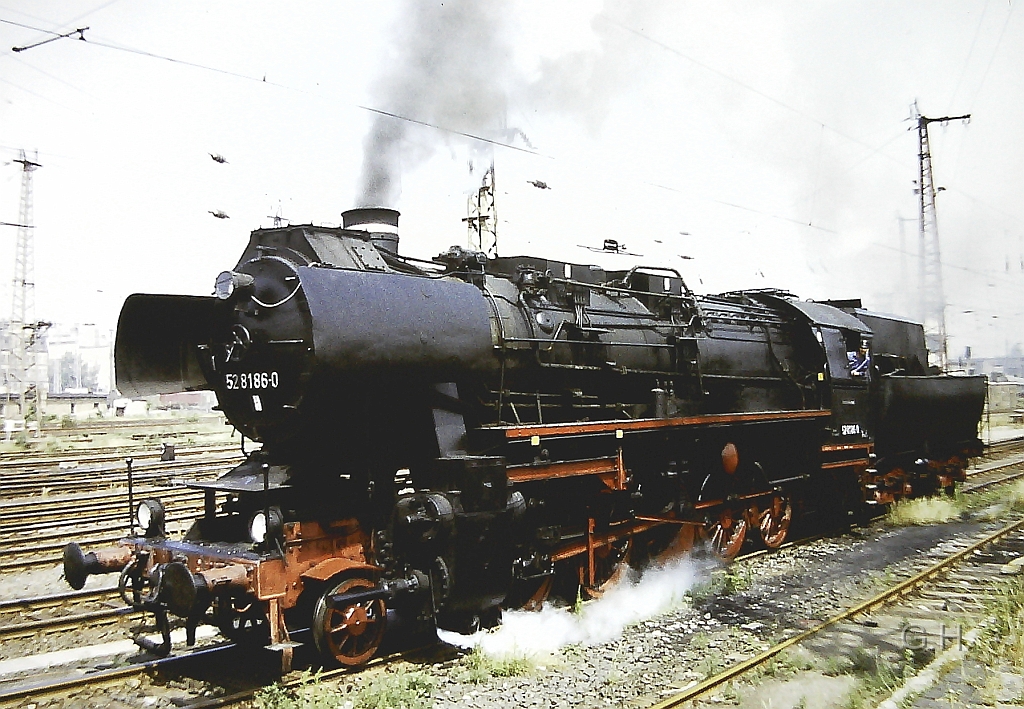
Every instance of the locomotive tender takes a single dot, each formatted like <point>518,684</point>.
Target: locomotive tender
<point>448,439</point>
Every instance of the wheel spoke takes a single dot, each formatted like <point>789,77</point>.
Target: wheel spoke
<point>774,522</point>
<point>725,535</point>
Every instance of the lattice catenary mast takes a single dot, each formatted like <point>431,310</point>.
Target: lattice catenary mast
<point>483,217</point>
<point>24,328</point>
<point>933,300</point>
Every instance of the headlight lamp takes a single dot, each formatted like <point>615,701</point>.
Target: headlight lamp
<point>150,516</point>
<point>258,527</point>
<point>262,528</point>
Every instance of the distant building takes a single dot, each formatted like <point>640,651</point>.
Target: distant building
<point>81,359</point>
<point>11,385</point>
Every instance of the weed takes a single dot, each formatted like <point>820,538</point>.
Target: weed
<point>876,676</point>
<point>835,665</point>
<point>924,510</point>
<point>307,694</point>
<point>712,663</point>
<point>736,579</point>
<point>1002,638</point>
<point>729,694</point>
<point>1015,497</point>
<point>699,641</point>
<point>577,607</point>
<point>614,677</point>
<point>993,502</point>
<point>701,592</point>
<point>410,690</point>
<point>479,667</point>
<point>786,664</point>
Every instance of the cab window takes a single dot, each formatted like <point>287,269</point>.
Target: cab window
<point>848,356</point>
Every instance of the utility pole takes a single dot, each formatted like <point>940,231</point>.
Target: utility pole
<point>933,300</point>
<point>483,217</point>
<point>25,331</point>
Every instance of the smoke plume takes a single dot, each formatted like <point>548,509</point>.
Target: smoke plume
<point>451,62</point>
<point>453,66</point>
<point>526,633</point>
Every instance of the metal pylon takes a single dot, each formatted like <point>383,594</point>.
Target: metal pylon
<point>932,297</point>
<point>23,325</point>
<point>482,217</point>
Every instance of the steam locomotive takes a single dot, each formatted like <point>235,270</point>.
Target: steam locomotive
<point>446,439</point>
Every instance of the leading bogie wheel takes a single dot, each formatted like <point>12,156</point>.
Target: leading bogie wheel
<point>774,521</point>
<point>349,635</point>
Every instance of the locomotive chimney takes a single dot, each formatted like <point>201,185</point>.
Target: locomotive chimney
<point>381,224</point>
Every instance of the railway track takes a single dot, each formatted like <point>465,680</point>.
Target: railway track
<point>975,565</point>
<point>37,689</point>
<point>1006,445</point>
<point>34,530</point>
<point>41,514</point>
<point>105,476</point>
<point>98,455</point>
<point>68,609</point>
<point>993,474</point>
<point>160,425</point>
<point>28,617</point>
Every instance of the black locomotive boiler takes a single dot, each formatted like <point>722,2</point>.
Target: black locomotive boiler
<point>446,439</point>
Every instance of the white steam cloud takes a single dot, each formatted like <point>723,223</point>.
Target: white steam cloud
<point>526,633</point>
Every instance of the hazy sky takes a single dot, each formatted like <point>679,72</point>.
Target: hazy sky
<point>768,141</point>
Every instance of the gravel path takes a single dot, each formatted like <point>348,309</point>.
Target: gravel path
<point>729,615</point>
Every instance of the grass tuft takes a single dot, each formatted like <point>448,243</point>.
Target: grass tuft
<point>1002,639</point>
<point>732,580</point>
<point>924,510</point>
<point>480,667</point>
<point>407,690</point>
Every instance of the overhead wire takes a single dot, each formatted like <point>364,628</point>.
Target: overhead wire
<point>602,16</point>
<point>967,59</point>
<point>768,97</point>
<point>746,209</point>
<point>992,58</point>
<point>874,151</point>
<point>988,274</point>
<point>39,96</point>
<point>415,121</point>
<point>451,130</point>
<point>48,75</point>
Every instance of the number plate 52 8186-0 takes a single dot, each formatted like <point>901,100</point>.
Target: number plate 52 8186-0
<point>251,380</point>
